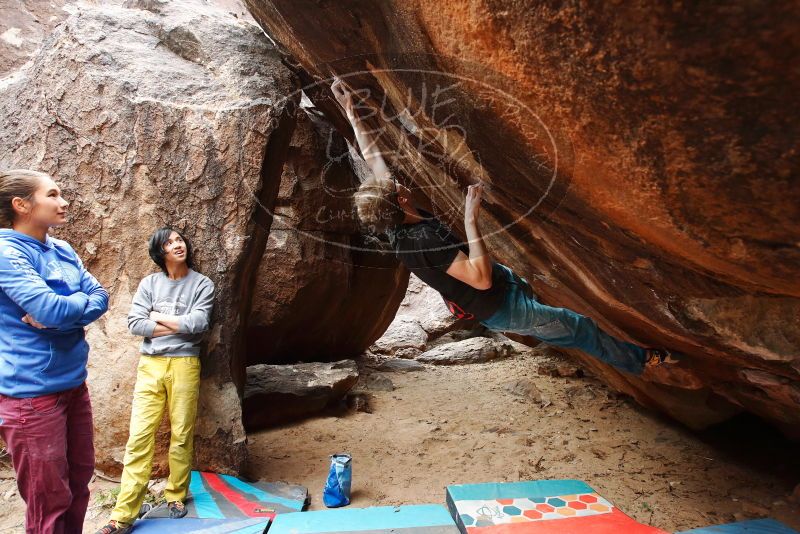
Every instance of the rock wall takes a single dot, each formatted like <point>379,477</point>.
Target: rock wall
<point>175,114</point>
<point>421,319</point>
<point>24,24</point>
<point>321,292</point>
<point>640,161</point>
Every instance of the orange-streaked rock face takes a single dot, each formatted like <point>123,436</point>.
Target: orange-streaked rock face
<point>641,164</point>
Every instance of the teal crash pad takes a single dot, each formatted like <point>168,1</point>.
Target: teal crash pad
<point>189,525</point>
<point>756,526</point>
<point>416,519</point>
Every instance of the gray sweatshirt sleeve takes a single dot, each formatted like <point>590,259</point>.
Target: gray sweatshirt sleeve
<point>199,317</point>
<point>139,322</point>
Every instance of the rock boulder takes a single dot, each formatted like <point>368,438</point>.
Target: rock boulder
<point>426,306</point>
<point>471,350</point>
<point>400,366</point>
<point>322,291</point>
<point>149,118</point>
<point>277,394</point>
<point>403,333</point>
<point>636,171</point>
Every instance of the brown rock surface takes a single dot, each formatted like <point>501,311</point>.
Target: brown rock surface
<point>24,24</point>
<point>639,171</point>
<point>319,295</point>
<point>276,394</point>
<point>470,350</point>
<point>146,118</point>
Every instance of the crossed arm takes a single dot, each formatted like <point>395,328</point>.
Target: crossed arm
<point>144,321</point>
<point>165,328</point>
<point>43,307</point>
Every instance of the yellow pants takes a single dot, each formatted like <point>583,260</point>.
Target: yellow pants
<point>160,381</point>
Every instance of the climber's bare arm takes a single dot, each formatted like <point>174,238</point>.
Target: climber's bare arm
<point>366,142</point>
<point>475,270</point>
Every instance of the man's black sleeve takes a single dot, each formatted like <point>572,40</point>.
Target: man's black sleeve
<point>437,254</point>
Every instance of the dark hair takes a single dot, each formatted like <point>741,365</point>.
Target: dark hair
<point>156,247</point>
<point>21,183</point>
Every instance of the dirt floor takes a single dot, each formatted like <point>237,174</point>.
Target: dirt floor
<point>485,422</point>
<point>463,424</point>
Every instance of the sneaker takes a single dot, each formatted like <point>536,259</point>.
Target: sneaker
<point>176,509</point>
<point>115,527</point>
<point>656,357</point>
<point>145,509</point>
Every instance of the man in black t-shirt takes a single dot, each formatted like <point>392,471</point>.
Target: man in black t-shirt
<point>472,285</point>
<point>428,248</point>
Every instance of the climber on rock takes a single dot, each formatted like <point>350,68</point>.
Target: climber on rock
<point>472,285</point>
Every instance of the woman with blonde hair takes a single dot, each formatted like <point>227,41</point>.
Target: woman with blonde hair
<point>47,297</point>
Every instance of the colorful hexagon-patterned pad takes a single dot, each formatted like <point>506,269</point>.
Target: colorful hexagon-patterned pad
<point>551,506</point>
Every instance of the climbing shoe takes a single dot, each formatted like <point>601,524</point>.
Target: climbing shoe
<point>176,509</point>
<point>115,527</point>
<point>657,357</point>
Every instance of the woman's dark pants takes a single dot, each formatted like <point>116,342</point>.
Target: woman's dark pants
<point>49,439</point>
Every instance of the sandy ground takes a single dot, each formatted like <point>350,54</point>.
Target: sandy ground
<point>461,424</point>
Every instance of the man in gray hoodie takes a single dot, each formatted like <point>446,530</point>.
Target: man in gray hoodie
<point>171,311</point>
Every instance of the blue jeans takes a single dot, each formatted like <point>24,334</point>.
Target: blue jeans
<point>522,314</point>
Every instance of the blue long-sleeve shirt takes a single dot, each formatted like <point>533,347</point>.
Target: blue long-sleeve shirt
<point>49,282</point>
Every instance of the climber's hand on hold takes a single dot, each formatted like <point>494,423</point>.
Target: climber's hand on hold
<point>344,96</point>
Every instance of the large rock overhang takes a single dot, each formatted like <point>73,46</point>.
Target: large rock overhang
<point>638,172</point>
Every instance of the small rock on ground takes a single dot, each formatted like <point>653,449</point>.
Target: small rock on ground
<point>525,389</point>
<point>377,382</point>
<point>562,369</point>
<point>403,333</point>
<point>401,366</point>
<point>472,350</point>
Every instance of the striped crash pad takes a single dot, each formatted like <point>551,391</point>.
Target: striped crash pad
<point>415,519</point>
<point>543,506</point>
<point>222,504</point>
<point>213,496</point>
<point>756,526</point>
